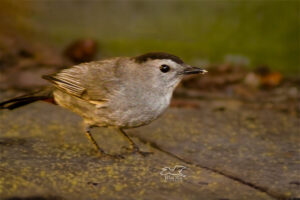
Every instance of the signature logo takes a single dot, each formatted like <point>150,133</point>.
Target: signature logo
<point>173,174</point>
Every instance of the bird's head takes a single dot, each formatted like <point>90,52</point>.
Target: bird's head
<point>164,69</point>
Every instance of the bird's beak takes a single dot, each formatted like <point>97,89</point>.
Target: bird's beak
<point>194,70</point>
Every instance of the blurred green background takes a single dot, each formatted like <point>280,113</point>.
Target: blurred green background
<point>253,32</point>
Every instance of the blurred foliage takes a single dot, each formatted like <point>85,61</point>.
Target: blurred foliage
<point>264,32</point>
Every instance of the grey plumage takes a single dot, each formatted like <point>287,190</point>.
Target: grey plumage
<point>121,92</point>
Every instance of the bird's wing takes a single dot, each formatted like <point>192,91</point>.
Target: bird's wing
<point>89,81</point>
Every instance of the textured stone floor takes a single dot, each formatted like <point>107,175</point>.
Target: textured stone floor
<point>234,153</point>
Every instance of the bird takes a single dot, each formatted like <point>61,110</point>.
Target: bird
<point>119,92</point>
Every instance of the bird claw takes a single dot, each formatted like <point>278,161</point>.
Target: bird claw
<point>114,156</point>
<point>117,156</point>
<point>126,148</point>
<point>111,156</point>
<point>145,153</point>
<point>135,149</point>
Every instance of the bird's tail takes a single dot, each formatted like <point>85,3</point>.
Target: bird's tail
<point>45,95</point>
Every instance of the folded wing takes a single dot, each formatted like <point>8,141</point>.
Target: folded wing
<point>89,81</point>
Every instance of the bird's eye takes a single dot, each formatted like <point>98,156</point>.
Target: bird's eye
<point>164,68</point>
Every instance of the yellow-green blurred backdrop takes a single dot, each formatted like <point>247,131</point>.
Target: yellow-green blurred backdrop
<point>262,32</point>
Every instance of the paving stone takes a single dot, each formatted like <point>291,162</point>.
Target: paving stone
<point>44,154</point>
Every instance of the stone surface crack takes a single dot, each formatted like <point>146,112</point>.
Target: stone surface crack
<point>262,189</point>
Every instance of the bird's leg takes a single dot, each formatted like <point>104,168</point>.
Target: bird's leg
<point>100,150</point>
<point>133,147</point>
<point>90,137</point>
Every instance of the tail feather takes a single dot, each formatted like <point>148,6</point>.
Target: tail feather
<point>26,99</point>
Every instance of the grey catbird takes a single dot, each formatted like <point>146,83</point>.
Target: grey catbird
<point>122,92</point>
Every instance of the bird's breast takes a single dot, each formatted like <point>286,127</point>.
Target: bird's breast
<point>138,109</point>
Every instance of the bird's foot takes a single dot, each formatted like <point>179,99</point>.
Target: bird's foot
<point>115,156</point>
<point>136,149</point>
<point>102,154</point>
